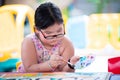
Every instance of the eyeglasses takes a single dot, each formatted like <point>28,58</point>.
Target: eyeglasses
<point>52,36</point>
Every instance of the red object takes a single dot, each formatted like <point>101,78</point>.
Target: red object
<point>114,65</point>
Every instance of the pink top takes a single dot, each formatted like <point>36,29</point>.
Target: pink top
<point>42,53</point>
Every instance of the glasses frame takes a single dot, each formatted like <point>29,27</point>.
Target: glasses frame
<point>52,36</point>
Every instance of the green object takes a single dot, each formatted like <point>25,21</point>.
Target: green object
<point>8,65</point>
<point>100,4</point>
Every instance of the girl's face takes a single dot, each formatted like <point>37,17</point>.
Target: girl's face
<point>52,34</point>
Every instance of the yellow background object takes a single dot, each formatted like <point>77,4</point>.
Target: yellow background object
<point>12,19</point>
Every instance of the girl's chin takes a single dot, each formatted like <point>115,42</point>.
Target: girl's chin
<point>53,43</point>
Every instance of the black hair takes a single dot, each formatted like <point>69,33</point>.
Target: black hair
<point>46,15</point>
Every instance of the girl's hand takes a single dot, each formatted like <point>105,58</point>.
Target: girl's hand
<point>55,60</point>
<point>74,59</point>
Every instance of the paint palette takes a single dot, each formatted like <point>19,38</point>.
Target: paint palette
<point>84,61</point>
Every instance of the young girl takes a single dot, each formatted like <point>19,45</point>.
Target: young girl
<point>47,49</point>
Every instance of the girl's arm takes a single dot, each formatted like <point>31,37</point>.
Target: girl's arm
<point>67,54</point>
<point>29,58</point>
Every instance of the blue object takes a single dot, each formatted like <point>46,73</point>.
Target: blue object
<point>76,31</point>
<point>8,65</point>
<point>115,77</point>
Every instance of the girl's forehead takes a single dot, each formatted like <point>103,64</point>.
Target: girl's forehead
<point>54,27</point>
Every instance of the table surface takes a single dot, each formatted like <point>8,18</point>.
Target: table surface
<point>115,77</point>
<point>60,76</point>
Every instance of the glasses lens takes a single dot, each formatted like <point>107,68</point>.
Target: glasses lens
<point>49,37</point>
<point>60,35</point>
<point>54,36</point>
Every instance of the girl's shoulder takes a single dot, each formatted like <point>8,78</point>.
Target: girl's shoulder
<point>66,42</point>
<point>30,36</point>
<point>29,39</point>
<point>33,40</point>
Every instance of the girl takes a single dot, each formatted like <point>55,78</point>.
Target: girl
<point>47,49</point>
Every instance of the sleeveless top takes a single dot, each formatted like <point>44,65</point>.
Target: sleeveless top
<point>42,53</point>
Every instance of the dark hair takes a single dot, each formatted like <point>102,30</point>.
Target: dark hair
<point>46,15</point>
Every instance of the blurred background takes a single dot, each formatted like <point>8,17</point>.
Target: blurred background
<point>93,26</point>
